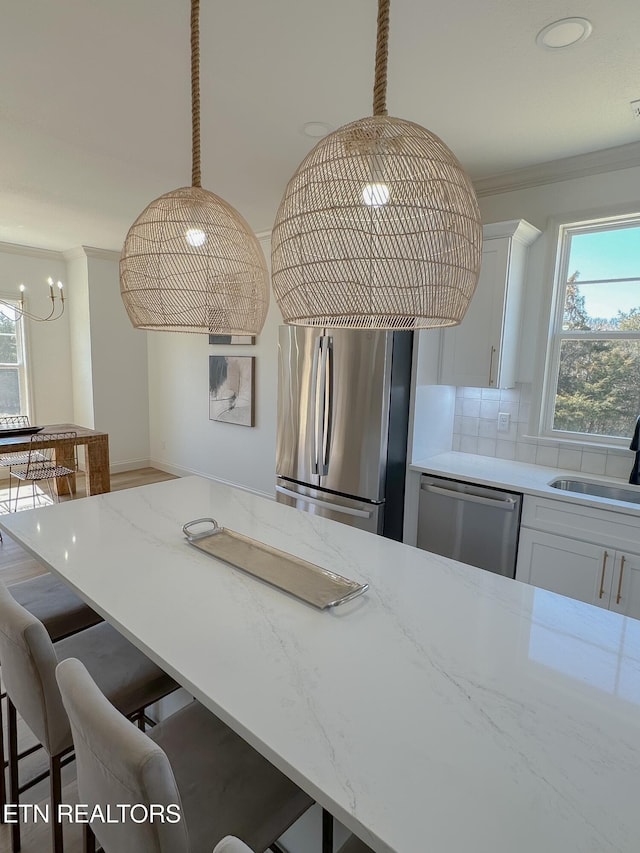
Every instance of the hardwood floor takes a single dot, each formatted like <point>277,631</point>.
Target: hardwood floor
<point>17,565</point>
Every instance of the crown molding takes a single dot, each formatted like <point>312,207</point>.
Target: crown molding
<point>101,254</point>
<point>518,229</point>
<point>566,169</point>
<point>90,252</point>
<point>74,254</point>
<point>32,251</point>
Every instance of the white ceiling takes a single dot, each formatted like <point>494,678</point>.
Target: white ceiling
<point>95,99</point>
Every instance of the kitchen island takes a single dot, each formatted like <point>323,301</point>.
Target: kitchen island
<point>448,709</point>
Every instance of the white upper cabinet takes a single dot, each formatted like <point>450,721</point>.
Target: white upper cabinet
<point>482,352</point>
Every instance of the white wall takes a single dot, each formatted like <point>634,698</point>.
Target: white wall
<point>119,366</point>
<point>182,438</point>
<point>109,359</point>
<point>48,347</point>
<point>80,339</point>
<point>432,405</point>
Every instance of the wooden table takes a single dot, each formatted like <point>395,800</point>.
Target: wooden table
<point>448,709</point>
<point>96,454</point>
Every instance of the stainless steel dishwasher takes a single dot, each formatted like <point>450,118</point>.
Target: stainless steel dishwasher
<point>477,525</point>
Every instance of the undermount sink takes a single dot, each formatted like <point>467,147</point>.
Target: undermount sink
<point>598,490</point>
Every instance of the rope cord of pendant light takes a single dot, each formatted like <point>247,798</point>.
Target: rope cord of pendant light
<point>382,55</point>
<point>195,94</point>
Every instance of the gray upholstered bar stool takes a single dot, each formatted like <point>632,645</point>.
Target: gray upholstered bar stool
<point>231,845</point>
<point>62,613</point>
<point>29,660</point>
<point>223,786</point>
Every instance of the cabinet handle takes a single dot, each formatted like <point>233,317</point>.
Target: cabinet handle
<point>493,349</point>
<point>619,595</point>
<point>604,565</point>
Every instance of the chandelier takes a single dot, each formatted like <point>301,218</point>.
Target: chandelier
<point>56,295</point>
<point>379,227</point>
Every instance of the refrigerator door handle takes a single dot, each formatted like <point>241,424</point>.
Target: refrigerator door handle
<point>315,429</point>
<point>345,510</point>
<point>321,407</point>
<point>326,390</point>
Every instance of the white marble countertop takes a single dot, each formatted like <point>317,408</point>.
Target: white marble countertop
<point>520,477</point>
<point>448,709</point>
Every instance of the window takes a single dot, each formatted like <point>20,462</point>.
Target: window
<point>593,365</point>
<point>13,379</point>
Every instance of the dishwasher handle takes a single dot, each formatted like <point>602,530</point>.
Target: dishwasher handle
<point>506,504</point>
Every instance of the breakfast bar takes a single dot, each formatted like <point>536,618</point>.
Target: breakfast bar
<point>446,709</point>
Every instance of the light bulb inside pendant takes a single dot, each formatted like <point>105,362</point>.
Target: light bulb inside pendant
<point>375,195</point>
<point>195,237</point>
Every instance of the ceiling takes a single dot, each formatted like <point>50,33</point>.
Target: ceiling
<point>95,100</point>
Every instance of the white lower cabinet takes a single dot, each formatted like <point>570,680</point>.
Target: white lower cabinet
<point>577,569</point>
<point>625,588</point>
<point>593,572</point>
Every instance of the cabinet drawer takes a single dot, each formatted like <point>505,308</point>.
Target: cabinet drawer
<point>612,528</point>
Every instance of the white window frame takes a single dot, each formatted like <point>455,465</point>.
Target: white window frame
<point>22,368</point>
<point>557,335</point>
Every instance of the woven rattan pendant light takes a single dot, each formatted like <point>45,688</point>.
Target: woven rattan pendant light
<point>190,262</point>
<point>379,227</point>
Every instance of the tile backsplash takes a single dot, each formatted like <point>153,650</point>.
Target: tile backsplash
<point>475,430</point>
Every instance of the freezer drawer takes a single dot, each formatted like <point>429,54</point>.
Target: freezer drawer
<point>356,513</point>
<point>470,523</point>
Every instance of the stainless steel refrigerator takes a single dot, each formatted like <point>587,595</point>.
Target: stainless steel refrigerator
<point>343,412</point>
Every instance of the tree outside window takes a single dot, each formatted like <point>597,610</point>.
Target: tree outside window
<point>594,370</point>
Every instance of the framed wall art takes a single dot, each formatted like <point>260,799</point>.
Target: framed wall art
<point>232,339</point>
<point>232,389</point>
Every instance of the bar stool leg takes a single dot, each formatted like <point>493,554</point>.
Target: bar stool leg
<point>327,831</point>
<point>88,839</point>
<point>56,799</point>
<point>14,793</point>
<point>3,778</point>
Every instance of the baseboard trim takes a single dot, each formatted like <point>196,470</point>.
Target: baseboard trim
<point>116,468</point>
<point>180,471</point>
<point>130,465</point>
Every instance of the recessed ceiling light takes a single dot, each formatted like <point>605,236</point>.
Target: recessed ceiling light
<point>316,129</point>
<point>564,33</point>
